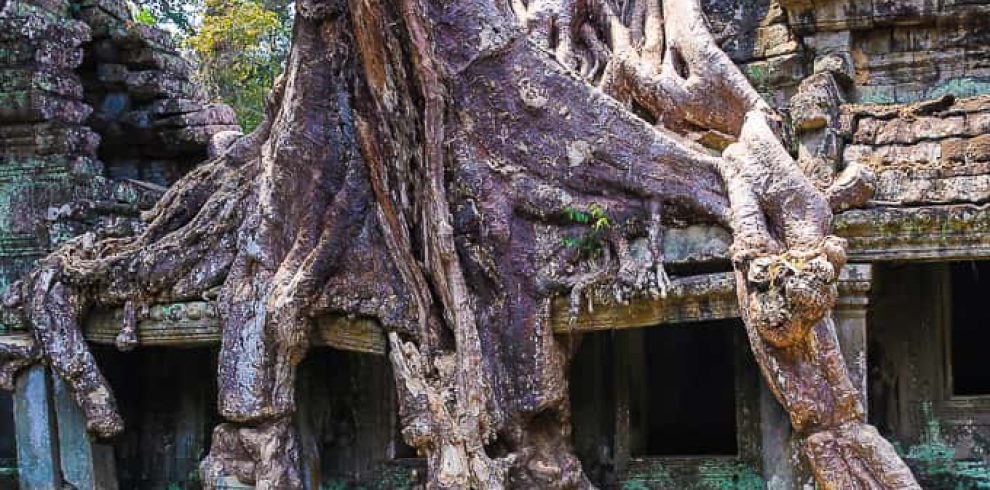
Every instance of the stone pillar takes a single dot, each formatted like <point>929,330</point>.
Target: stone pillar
<point>85,463</point>
<point>849,315</point>
<point>52,443</point>
<point>37,451</point>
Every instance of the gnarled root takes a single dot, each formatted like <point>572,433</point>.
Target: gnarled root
<point>855,456</point>
<point>266,456</point>
<point>788,293</point>
<point>15,355</point>
<point>55,312</point>
<point>545,460</point>
<point>433,422</point>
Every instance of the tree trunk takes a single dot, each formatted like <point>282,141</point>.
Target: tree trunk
<point>421,163</point>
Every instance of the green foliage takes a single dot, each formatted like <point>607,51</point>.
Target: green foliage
<point>241,47</point>
<point>143,15</point>
<point>597,221</point>
<point>177,16</point>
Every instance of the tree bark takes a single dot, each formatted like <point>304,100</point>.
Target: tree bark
<point>421,163</point>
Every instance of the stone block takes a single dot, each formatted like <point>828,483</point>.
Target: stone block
<point>154,84</point>
<point>761,42</point>
<point>150,58</point>
<point>907,131</point>
<point>38,106</point>
<point>780,71</point>
<point>57,7</point>
<point>902,12</point>
<point>839,64</point>
<point>116,8</point>
<point>188,139</point>
<point>47,139</point>
<point>84,462</point>
<point>220,142</point>
<point>828,42</point>
<point>61,83</point>
<point>212,115</point>
<point>173,106</point>
<point>66,32</point>
<point>966,151</point>
<point>816,103</point>
<point>41,54</point>
<point>806,16</point>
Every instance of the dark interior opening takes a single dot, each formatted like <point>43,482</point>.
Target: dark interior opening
<point>345,413</point>
<point>683,396</point>
<point>678,381</point>
<point>592,392</point>
<point>168,400</point>
<point>347,416</point>
<point>8,446</point>
<point>970,329</point>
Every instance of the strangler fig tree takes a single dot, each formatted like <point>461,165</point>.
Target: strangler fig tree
<point>418,164</point>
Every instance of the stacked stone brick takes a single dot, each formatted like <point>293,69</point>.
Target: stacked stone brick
<point>44,141</point>
<point>756,35</point>
<point>97,113</point>
<point>899,51</point>
<point>149,112</point>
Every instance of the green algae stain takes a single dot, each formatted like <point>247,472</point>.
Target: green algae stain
<point>934,461</point>
<point>959,87</point>
<point>730,476</point>
<point>706,475</point>
<point>634,485</point>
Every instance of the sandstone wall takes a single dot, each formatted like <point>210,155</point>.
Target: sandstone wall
<point>97,113</point>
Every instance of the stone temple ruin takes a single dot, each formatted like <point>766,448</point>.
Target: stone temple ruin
<point>98,115</point>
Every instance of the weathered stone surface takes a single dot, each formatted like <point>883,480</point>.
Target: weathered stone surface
<point>174,106</point>
<point>762,42</point>
<point>154,84</point>
<point>898,51</point>
<point>840,15</point>
<point>184,139</point>
<point>932,152</point>
<point>47,139</point>
<point>816,104</point>
<point>47,54</point>
<point>116,8</point>
<point>51,81</point>
<point>221,141</point>
<point>53,124</point>
<point>786,70</point>
<point>66,32</point>
<point>150,58</point>
<point>35,106</point>
<point>36,445</point>
<point>900,233</point>
<point>212,115</point>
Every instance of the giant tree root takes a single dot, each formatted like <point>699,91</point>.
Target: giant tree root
<point>266,456</point>
<point>421,163</point>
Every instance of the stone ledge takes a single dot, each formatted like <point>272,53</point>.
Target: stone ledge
<point>196,324</point>
<point>957,231</point>
<point>694,298</point>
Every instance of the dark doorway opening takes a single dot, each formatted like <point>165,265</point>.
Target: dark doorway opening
<point>167,397</point>
<point>970,330</point>
<point>683,393</point>
<point>8,445</point>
